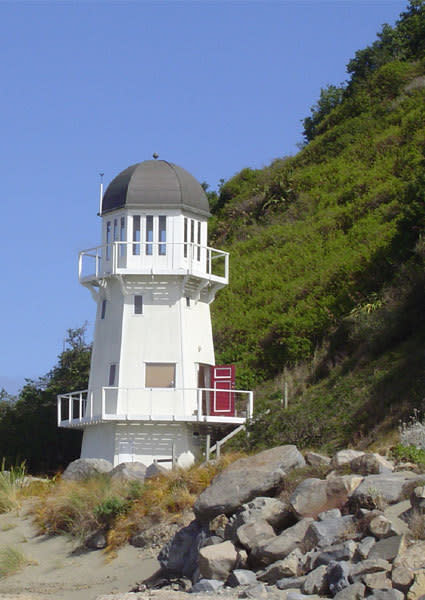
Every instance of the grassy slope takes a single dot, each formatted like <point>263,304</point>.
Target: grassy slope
<point>326,253</point>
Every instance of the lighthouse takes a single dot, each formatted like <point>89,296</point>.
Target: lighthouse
<point>155,392</point>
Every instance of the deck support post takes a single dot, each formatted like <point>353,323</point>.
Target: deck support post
<point>207,447</point>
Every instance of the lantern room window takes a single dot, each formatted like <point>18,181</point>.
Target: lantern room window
<point>136,235</point>
<point>149,234</point>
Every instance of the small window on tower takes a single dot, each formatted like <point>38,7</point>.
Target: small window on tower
<point>185,237</point>
<point>108,240</point>
<point>103,309</point>
<point>162,232</point>
<point>112,374</point>
<point>149,234</point>
<point>138,305</point>
<point>136,235</point>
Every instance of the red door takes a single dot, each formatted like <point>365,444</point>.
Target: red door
<point>222,399</point>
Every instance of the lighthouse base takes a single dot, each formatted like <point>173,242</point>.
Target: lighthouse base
<point>142,442</point>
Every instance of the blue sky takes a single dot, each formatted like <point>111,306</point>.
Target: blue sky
<point>213,86</point>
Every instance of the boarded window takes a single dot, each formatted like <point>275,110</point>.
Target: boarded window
<point>112,374</point>
<point>138,305</point>
<point>160,375</point>
<point>103,309</point>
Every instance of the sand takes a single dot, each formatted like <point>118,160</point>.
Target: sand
<point>60,572</point>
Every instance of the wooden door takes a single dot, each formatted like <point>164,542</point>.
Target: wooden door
<point>222,399</point>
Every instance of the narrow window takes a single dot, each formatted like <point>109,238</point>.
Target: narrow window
<point>103,309</point>
<point>185,237</point>
<point>115,230</point>
<point>136,235</point>
<point>108,240</point>
<point>138,305</point>
<point>112,374</point>
<point>122,237</point>
<point>162,232</point>
<point>192,231</point>
<point>149,234</point>
<point>199,241</point>
<point>187,301</point>
<point>160,375</point>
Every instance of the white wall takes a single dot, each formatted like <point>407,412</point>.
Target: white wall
<point>99,442</point>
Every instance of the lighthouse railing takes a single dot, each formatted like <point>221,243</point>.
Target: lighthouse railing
<point>153,257</point>
<point>154,404</point>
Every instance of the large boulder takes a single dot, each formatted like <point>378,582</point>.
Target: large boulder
<point>246,479</point>
<point>217,561</point>
<point>129,471</point>
<point>371,464</point>
<point>330,531</point>
<point>180,556</point>
<point>344,457</point>
<point>279,547</point>
<point>278,514</point>
<point>313,496</point>
<point>254,533</point>
<point>83,468</point>
<point>376,491</point>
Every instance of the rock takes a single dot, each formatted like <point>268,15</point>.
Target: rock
<point>257,591</point>
<point>218,525</point>
<point>343,457</point>
<point>386,595</point>
<point>241,577</point>
<point>314,496</point>
<point>402,578</point>
<point>381,527</point>
<point>337,576</point>
<point>330,531</point>
<point>334,513</point>
<point>355,591</point>
<point>365,546</point>
<point>280,546</point>
<point>254,533</point>
<point>389,548</point>
<point>97,541</point>
<point>83,468</point>
<point>242,562</point>
<point>278,514</point>
<point>155,469</point>
<point>288,567</point>
<point>339,552</point>
<point>417,499</point>
<point>246,479</point>
<point>129,471</point>
<point>207,586</point>
<point>317,460</point>
<point>368,566</point>
<point>316,581</point>
<point>376,491</point>
<point>287,583</point>
<point>371,464</point>
<point>216,562</point>
<point>417,589</point>
<point>211,540</point>
<point>412,557</point>
<point>377,581</point>
<point>180,556</point>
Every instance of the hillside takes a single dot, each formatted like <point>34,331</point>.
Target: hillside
<point>327,257</point>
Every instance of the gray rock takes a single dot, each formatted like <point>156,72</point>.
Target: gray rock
<point>287,567</point>
<point>417,499</point>
<point>376,491</point>
<point>297,596</point>
<point>278,514</point>
<point>317,460</point>
<point>315,496</point>
<point>333,513</point>
<point>413,557</point>
<point>129,471</point>
<point>180,556</point>
<point>343,457</point>
<point>83,468</point>
<point>355,591</point>
<point>377,581</point>
<point>288,583</point>
<point>245,479</point>
<point>330,531</point>
<point>368,566</point>
<point>402,578</point>
<point>211,540</point>
<point>316,581</point>
<point>252,534</point>
<point>364,547</point>
<point>206,586</point>
<point>257,591</point>
<point>371,464</point>
<point>389,548</point>
<point>280,546</point>
<point>381,527</point>
<point>337,576</point>
<point>386,595</point>
<point>216,562</point>
<point>155,469</point>
<point>97,541</point>
<point>241,577</point>
<point>339,552</point>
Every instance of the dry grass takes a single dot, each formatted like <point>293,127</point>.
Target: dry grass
<point>11,561</point>
<point>12,484</point>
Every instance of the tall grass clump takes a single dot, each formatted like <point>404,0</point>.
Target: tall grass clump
<point>12,560</point>
<point>12,482</point>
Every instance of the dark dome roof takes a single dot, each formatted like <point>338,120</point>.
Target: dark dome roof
<point>155,184</point>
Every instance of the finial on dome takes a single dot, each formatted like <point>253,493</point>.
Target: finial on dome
<point>155,155</point>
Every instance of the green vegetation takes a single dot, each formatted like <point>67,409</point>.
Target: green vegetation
<point>11,561</point>
<point>327,258</point>
<point>12,483</point>
<point>409,454</point>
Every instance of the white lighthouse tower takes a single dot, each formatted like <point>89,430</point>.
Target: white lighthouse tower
<point>154,390</point>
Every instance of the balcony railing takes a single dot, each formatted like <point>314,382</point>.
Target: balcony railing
<point>153,257</point>
<point>209,405</point>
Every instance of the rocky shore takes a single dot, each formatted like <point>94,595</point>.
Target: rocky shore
<point>263,530</point>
